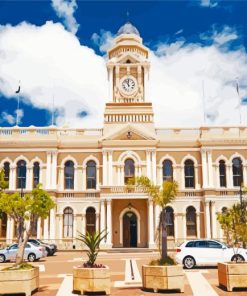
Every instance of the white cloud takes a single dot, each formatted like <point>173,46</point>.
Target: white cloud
<point>222,37</point>
<point>11,119</point>
<point>104,40</point>
<point>50,60</point>
<point>65,9</point>
<point>209,3</point>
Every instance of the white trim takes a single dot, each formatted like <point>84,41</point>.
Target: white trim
<point>61,210</point>
<point>189,157</point>
<point>169,157</point>
<point>21,157</point>
<point>67,158</point>
<point>236,155</point>
<point>129,154</point>
<point>121,224</point>
<point>36,159</point>
<point>6,159</point>
<point>84,211</point>
<point>90,157</point>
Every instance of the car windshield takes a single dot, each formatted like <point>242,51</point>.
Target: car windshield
<point>225,245</point>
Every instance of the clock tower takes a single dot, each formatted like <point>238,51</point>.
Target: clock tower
<point>128,71</point>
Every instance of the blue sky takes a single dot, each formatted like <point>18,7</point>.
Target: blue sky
<point>57,49</point>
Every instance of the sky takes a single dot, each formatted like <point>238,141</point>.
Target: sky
<point>56,52</point>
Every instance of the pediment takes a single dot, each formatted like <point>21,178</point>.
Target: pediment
<point>129,133</point>
<point>124,57</point>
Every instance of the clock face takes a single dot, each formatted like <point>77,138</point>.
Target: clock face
<point>128,85</point>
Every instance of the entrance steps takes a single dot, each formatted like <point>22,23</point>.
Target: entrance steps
<point>131,250</point>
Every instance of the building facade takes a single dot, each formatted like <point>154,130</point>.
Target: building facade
<point>86,170</point>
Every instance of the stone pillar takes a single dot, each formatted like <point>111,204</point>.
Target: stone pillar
<point>8,231</point>
<point>122,175</point>
<point>29,178</point>
<point>54,170</point>
<point>197,185</point>
<point>213,215</point>
<point>52,224</point>
<point>39,228</point>
<point>84,177</point>
<point>157,211</point>
<point>109,223</point>
<point>154,177</point>
<point>76,178</point>
<point>97,222</point>
<point>60,217</point>
<point>151,243</point>
<point>12,229</point>
<point>245,174</point>
<point>229,176</point>
<point>46,229</point>
<point>110,168</point>
<point>12,185</point>
<point>175,227</point>
<point>160,175</point>
<point>204,168</point>
<point>97,176</point>
<point>42,175</point>
<point>102,219</point>
<point>175,173</point>
<point>210,169</point>
<point>207,220</point>
<point>148,164</point>
<point>184,226</point>
<point>217,175</point>
<point>74,228</point>
<point>48,170</point>
<point>198,225</point>
<point>83,223</point>
<point>182,177</point>
<point>105,165</point>
<point>61,178</point>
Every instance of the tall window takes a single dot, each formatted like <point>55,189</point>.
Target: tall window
<point>69,175</point>
<point>167,170</point>
<point>91,175</point>
<point>21,174</point>
<point>237,171</point>
<point>68,222</point>
<point>129,170</point>
<point>189,174</point>
<point>3,225</point>
<point>222,171</point>
<point>169,221</point>
<point>191,221</point>
<point>36,172</point>
<point>6,171</point>
<point>90,220</point>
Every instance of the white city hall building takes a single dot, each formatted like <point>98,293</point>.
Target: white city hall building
<point>85,170</point>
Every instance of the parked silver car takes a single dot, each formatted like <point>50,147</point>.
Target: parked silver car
<point>32,253</point>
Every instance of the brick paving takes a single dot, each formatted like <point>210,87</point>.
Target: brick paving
<point>60,265</point>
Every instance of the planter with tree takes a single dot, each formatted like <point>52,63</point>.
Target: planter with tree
<point>162,273</point>
<point>90,276</point>
<point>22,277</point>
<point>233,222</point>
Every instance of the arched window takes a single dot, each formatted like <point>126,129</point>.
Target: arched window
<point>224,210</point>
<point>167,170</point>
<point>191,221</point>
<point>90,220</point>
<point>129,170</point>
<point>91,175</point>
<point>68,222</point>
<point>237,171</point>
<point>222,172</point>
<point>189,174</point>
<point>36,172</point>
<point>21,174</point>
<point>3,225</point>
<point>6,168</point>
<point>169,221</point>
<point>69,175</point>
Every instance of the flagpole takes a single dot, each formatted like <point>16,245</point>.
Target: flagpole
<point>18,103</point>
<point>239,101</point>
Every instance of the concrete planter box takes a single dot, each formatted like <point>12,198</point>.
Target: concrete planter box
<point>232,275</point>
<point>91,280</point>
<point>19,281</point>
<point>163,277</point>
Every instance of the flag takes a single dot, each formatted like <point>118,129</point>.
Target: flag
<point>18,90</point>
<point>237,86</point>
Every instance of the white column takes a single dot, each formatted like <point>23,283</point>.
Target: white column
<point>60,226</point>
<point>105,179</point>
<point>109,223</point>
<point>76,178</point>
<point>229,176</point>
<point>52,224</point>
<point>197,185</point>
<point>175,173</point>
<point>157,211</point>
<point>8,230</point>
<point>148,164</point>
<point>46,230</point>
<point>110,168</point>
<point>245,175</point>
<point>29,182</point>
<point>11,232</point>
<point>146,94</point>
<point>160,175</point>
<point>61,178</point>
<point>175,227</point>
<point>83,220</point>
<point>122,175</point>
<point>84,177</point>
<point>213,215</point>
<point>97,222</point>
<point>198,225</point>
<point>217,175</point>
<point>48,170</point>
<point>39,228</point>
<point>12,185</point>
<point>204,168</point>
<point>210,169</point>
<point>110,81</point>
<point>118,175</point>
<point>154,166</point>
<point>207,220</point>
<point>54,170</point>
<point>102,219</point>
<point>74,228</point>
<point>151,223</point>
<point>184,226</point>
<point>182,177</point>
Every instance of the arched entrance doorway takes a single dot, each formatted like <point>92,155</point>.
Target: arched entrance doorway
<point>129,230</point>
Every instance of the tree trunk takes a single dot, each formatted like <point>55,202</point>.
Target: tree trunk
<point>23,238</point>
<point>164,235</point>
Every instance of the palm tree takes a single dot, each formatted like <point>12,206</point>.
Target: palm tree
<point>161,196</point>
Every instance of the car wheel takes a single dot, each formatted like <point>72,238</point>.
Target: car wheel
<point>2,258</point>
<point>31,257</point>
<point>48,252</point>
<point>238,258</point>
<point>189,262</point>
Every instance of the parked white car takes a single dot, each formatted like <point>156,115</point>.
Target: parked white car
<point>32,253</point>
<point>207,252</point>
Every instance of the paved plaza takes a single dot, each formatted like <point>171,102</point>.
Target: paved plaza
<point>56,275</point>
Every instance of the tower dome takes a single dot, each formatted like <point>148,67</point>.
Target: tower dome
<point>128,28</point>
